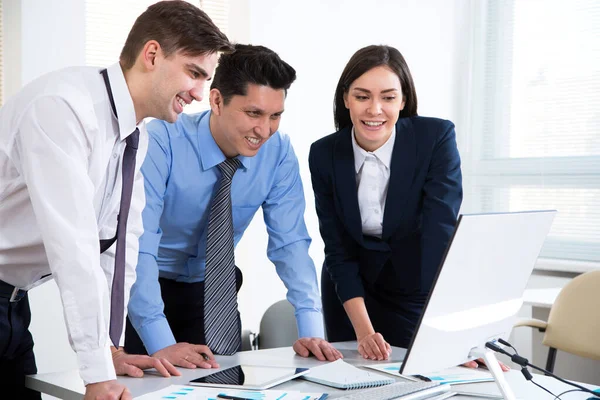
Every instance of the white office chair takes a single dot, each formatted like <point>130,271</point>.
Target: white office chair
<point>574,321</point>
<point>278,327</point>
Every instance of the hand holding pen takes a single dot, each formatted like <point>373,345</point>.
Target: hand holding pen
<point>188,355</point>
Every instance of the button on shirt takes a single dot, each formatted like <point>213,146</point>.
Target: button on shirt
<point>372,180</point>
<point>180,174</point>
<point>60,188</point>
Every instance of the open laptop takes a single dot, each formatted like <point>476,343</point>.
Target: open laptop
<point>478,291</point>
<point>475,298</point>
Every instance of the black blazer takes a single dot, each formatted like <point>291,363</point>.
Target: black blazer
<point>423,200</point>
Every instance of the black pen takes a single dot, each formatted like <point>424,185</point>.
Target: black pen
<point>226,396</point>
<point>423,378</point>
<point>419,377</point>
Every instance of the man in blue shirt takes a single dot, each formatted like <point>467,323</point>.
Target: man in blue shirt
<point>166,308</point>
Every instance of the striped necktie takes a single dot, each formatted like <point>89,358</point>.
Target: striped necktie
<point>221,318</point>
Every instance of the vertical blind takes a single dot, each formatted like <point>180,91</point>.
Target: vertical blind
<point>108,23</point>
<point>538,113</point>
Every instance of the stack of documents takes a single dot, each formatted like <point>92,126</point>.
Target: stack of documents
<point>454,375</point>
<point>180,392</point>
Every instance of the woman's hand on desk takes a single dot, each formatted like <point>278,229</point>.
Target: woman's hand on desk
<point>135,364</point>
<point>320,348</point>
<point>188,355</point>
<point>373,346</point>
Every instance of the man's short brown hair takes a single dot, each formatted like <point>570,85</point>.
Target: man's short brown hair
<point>177,26</point>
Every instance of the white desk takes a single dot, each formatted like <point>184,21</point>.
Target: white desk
<point>68,385</point>
<point>541,297</point>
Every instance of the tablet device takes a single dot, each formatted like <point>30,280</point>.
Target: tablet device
<point>255,377</point>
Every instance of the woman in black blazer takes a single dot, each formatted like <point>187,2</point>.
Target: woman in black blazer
<point>388,189</point>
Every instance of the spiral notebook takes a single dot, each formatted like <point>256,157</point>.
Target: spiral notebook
<point>341,375</point>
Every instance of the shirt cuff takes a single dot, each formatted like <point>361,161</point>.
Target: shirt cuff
<point>310,324</point>
<point>96,365</point>
<point>157,335</point>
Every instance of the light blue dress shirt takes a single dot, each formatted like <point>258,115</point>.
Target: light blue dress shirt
<point>181,173</point>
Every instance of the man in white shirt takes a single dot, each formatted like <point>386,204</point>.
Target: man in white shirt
<point>67,146</point>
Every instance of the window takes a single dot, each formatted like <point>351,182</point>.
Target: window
<point>535,124</point>
<point>108,22</point>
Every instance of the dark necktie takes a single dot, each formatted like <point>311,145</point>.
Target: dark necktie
<point>221,318</point>
<point>117,299</point>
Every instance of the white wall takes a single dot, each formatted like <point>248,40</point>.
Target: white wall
<point>316,38</point>
<point>41,36</point>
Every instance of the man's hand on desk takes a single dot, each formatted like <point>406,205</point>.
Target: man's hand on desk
<point>135,364</point>
<point>320,348</point>
<point>480,361</point>
<point>107,390</point>
<point>188,355</point>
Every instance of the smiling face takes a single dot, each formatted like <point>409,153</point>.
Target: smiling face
<point>374,100</point>
<point>178,80</point>
<point>243,125</point>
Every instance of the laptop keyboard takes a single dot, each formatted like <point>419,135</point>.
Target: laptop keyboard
<point>399,390</point>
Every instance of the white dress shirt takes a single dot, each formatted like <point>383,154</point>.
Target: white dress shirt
<point>372,179</point>
<point>61,150</point>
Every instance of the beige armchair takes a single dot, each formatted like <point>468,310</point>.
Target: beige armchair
<point>574,321</point>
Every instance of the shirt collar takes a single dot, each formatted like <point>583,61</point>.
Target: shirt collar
<point>211,153</point>
<point>123,100</point>
<point>383,154</point>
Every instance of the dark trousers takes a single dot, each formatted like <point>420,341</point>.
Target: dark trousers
<point>393,314</point>
<point>16,348</point>
<point>184,310</point>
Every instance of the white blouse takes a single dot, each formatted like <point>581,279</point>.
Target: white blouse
<point>372,179</point>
